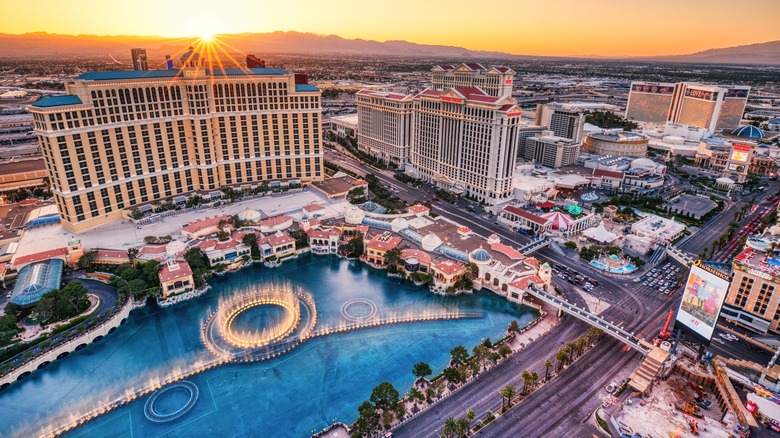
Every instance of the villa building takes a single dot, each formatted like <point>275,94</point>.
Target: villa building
<point>279,245</point>
<point>229,253</point>
<point>376,248</point>
<point>518,218</point>
<point>323,242</point>
<point>446,273</point>
<point>206,226</point>
<point>122,139</point>
<point>175,276</point>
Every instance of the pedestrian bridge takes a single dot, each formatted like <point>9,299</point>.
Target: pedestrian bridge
<point>535,245</point>
<point>594,320</point>
<point>680,255</point>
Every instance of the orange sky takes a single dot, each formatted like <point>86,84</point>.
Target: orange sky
<point>524,27</point>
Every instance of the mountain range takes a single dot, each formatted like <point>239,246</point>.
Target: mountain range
<point>46,44</point>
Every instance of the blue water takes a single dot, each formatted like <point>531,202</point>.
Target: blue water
<point>305,390</point>
<point>625,269</point>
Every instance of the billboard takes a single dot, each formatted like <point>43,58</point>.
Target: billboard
<point>653,88</point>
<point>740,152</point>
<point>700,94</point>
<point>701,302</point>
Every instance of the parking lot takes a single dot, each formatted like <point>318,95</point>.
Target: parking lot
<point>666,278</point>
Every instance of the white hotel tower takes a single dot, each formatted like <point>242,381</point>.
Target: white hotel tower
<point>121,140</point>
<point>465,136</point>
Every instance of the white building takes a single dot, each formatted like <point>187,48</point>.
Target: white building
<point>551,150</point>
<point>465,141</point>
<point>385,125</point>
<point>494,81</point>
<point>564,120</point>
<point>652,231</point>
<point>345,126</point>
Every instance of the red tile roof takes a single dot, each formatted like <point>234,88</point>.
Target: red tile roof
<point>277,220</point>
<point>523,282</point>
<point>276,240</point>
<point>608,173</point>
<point>174,271</point>
<point>207,244</point>
<point>507,251</point>
<point>448,267</point>
<point>526,215</point>
<point>322,234</point>
<point>422,256</point>
<point>475,66</point>
<point>200,224</point>
<point>152,249</point>
<point>418,208</point>
<point>464,230</point>
<point>40,256</point>
<point>502,69</point>
<point>226,244</point>
<point>533,262</point>
<point>110,254</point>
<point>313,207</point>
<point>385,243</point>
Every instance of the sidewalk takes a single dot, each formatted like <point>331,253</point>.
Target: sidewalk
<point>33,331</point>
<point>541,328</point>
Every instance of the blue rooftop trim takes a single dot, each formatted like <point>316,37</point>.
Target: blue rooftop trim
<point>306,87</point>
<point>249,71</point>
<point>47,102</point>
<point>170,73</point>
<point>131,74</point>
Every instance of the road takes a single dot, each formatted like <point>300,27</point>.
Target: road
<point>572,397</point>
<point>108,296</point>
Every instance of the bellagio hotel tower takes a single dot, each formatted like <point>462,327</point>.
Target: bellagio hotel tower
<point>123,139</point>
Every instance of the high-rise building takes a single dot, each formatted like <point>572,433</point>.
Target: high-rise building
<point>494,81</point>
<point>704,106</point>
<point>465,141</point>
<point>524,132</point>
<point>564,120</point>
<point>649,102</point>
<point>385,125</point>
<point>551,150</point>
<point>752,300</point>
<point>121,140</point>
<point>139,59</point>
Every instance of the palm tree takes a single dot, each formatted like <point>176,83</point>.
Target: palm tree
<point>392,257</point>
<point>508,392</point>
<point>470,414</point>
<point>450,427</point>
<point>526,376</point>
<point>464,425</point>
<point>561,357</point>
<point>534,378</point>
<point>570,351</point>
<point>547,366</point>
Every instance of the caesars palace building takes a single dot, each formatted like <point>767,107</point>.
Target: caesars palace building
<point>118,140</point>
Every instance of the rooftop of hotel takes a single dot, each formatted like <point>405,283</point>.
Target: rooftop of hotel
<point>174,270</point>
<point>207,222</point>
<point>174,72</point>
<point>337,185</point>
<point>750,258</point>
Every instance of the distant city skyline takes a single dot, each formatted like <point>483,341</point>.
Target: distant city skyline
<point>607,28</point>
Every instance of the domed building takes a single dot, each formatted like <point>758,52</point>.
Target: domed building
<point>354,216</point>
<point>249,215</point>
<point>748,131</point>
<point>430,242</point>
<point>617,143</point>
<point>399,224</point>
<point>481,258</point>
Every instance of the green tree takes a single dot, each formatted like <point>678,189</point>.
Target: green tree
<point>421,370</point>
<point>561,357</point>
<point>415,395</point>
<point>526,376</point>
<point>470,414</point>
<point>480,355</point>
<point>570,245</point>
<point>301,239</point>
<point>355,247</point>
<point>392,257</point>
<point>504,351</point>
<point>452,375</point>
<point>150,270</point>
<point>464,425</point>
<point>547,365</point>
<point>367,422</point>
<point>514,327</point>
<point>384,396</point>
<point>450,427</point>
<point>250,240</point>
<point>459,354</point>
<point>508,392</point>
<point>87,260</point>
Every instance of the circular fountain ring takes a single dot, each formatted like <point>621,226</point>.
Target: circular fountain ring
<point>281,331</point>
<point>358,301</point>
<point>153,414</point>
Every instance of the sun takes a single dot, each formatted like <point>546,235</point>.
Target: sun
<point>207,36</point>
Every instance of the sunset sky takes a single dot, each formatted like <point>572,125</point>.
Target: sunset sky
<point>570,27</point>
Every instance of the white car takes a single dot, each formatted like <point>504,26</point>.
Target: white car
<point>611,387</point>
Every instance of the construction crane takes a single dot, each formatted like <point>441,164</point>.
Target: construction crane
<point>665,334</point>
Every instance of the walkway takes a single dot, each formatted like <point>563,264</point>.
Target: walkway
<point>594,320</point>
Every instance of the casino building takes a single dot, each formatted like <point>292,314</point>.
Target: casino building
<point>705,106</point>
<point>120,140</point>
